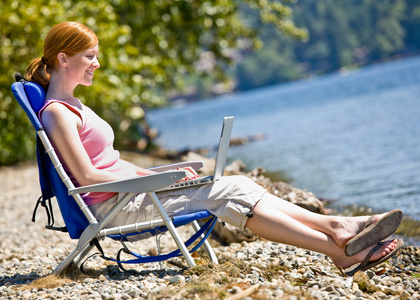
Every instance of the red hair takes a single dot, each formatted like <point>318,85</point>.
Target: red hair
<point>67,37</point>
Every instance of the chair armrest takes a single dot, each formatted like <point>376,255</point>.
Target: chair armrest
<point>196,165</point>
<point>136,185</point>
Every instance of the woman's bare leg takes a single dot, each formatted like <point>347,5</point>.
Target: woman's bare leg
<point>341,229</point>
<point>274,225</point>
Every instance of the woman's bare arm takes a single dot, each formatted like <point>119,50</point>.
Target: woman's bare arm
<point>62,127</point>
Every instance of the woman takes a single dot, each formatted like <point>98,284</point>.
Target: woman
<point>85,145</point>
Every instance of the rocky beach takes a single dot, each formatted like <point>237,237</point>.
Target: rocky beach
<point>249,267</point>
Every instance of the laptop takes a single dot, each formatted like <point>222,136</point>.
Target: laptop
<point>220,163</point>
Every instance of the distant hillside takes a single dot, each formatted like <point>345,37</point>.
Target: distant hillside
<point>342,34</point>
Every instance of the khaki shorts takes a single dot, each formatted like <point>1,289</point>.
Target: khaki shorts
<point>230,198</point>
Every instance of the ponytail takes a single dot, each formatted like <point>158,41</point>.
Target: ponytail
<point>37,72</point>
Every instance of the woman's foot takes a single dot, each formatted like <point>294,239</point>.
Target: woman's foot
<point>345,228</point>
<point>344,261</point>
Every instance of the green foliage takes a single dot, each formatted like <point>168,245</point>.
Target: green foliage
<point>21,31</point>
<point>150,50</point>
<point>341,34</point>
<point>147,48</point>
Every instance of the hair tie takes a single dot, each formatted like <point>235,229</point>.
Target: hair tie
<point>43,60</point>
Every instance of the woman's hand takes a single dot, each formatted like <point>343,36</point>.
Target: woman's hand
<point>191,174</point>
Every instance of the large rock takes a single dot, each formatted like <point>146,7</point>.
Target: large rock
<point>280,189</point>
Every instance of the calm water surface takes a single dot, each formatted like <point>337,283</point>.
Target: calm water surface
<point>353,137</point>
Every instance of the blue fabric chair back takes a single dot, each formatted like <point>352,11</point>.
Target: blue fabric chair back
<point>31,97</point>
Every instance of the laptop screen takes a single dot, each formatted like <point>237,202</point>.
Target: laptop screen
<point>223,147</point>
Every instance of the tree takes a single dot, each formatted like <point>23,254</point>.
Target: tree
<point>341,34</point>
<point>147,48</point>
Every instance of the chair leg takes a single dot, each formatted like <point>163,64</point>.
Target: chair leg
<point>172,230</point>
<point>67,261</point>
<point>78,260</point>
<point>84,242</point>
<point>206,244</point>
<point>76,256</point>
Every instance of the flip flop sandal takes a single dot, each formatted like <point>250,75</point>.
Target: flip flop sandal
<point>366,264</point>
<point>368,222</point>
<point>373,233</point>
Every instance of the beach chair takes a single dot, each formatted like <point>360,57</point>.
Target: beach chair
<point>79,221</point>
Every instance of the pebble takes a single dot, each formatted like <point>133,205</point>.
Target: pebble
<point>29,252</point>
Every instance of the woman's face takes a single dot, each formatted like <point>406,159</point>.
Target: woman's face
<point>82,65</point>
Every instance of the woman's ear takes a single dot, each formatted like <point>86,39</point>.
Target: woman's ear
<point>62,58</point>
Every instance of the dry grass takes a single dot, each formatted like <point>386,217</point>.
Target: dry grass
<point>71,274</point>
<point>46,282</point>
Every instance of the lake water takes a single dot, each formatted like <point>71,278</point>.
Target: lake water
<point>352,137</point>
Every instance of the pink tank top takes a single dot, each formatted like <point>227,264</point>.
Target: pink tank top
<point>97,138</point>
